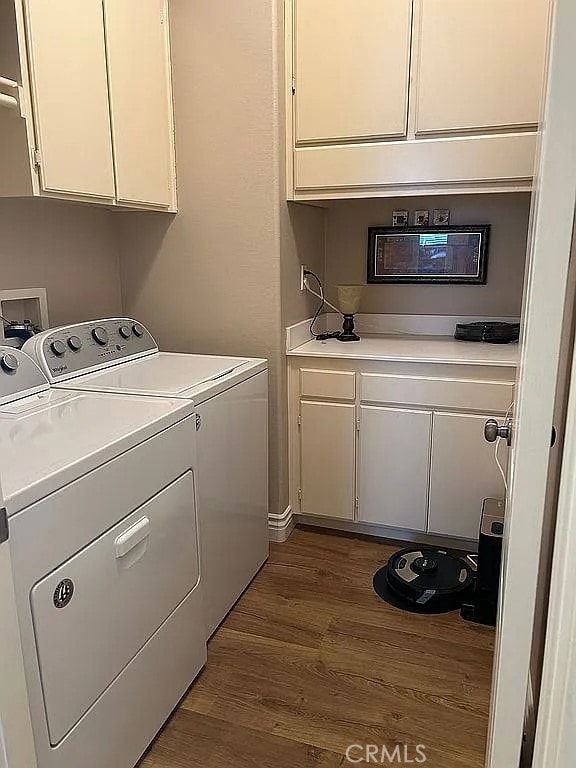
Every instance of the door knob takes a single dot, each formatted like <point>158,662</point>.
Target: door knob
<point>493,430</point>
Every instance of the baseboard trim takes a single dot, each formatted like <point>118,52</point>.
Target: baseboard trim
<point>281,525</point>
<point>399,535</point>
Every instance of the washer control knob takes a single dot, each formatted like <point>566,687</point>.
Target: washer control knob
<point>9,363</point>
<point>125,331</point>
<point>138,330</point>
<point>100,336</point>
<point>75,343</point>
<point>58,347</point>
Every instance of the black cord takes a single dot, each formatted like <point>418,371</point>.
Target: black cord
<point>319,336</point>
<point>322,302</point>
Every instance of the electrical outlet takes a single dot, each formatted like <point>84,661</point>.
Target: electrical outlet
<point>303,269</point>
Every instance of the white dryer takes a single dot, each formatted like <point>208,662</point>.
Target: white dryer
<point>230,396</point>
<point>99,490</point>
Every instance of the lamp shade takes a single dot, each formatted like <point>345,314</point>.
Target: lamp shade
<point>349,298</point>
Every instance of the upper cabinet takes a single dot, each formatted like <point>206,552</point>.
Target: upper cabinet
<point>394,97</point>
<point>341,95</point>
<point>481,64</point>
<point>67,60</point>
<point>93,114</point>
<point>140,100</point>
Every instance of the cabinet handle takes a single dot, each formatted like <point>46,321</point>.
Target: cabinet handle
<point>493,430</point>
<point>132,537</point>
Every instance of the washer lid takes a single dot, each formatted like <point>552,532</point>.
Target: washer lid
<point>167,374</point>
<point>52,438</point>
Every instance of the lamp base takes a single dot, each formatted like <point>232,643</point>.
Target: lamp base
<point>348,330</point>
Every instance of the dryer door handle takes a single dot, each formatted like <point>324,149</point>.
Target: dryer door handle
<point>132,537</point>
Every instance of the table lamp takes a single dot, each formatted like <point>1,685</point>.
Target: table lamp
<point>349,303</point>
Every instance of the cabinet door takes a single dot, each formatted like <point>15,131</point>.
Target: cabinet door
<point>351,68</point>
<point>481,64</point>
<point>137,42</point>
<point>70,93</point>
<point>327,456</point>
<point>463,474</point>
<point>394,466</point>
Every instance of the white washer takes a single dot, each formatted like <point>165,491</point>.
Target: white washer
<point>230,396</point>
<point>99,490</point>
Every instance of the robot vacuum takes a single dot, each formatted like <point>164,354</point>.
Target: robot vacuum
<point>424,580</point>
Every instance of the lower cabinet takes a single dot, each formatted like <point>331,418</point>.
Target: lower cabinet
<point>397,449</point>
<point>463,473</point>
<point>394,466</point>
<point>328,458</point>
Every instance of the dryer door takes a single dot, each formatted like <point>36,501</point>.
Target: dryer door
<point>96,611</point>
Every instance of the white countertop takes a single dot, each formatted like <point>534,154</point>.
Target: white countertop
<point>413,349</point>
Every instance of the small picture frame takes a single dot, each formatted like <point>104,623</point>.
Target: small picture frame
<point>441,217</point>
<point>400,218</point>
<point>456,255</point>
<point>421,218</point>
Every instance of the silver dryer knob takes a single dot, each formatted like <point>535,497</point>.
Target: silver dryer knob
<point>9,363</point>
<point>58,347</point>
<point>100,336</point>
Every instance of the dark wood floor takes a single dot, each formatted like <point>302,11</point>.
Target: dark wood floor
<point>311,661</point>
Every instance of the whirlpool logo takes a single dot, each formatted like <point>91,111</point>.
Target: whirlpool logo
<point>381,754</point>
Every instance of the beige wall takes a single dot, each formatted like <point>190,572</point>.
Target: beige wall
<point>303,244</point>
<point>67,248</point>
<point>346,251</point>
<point>208,280</point>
